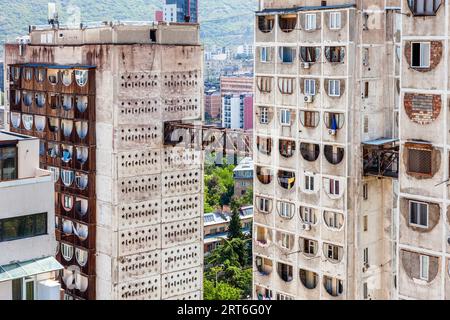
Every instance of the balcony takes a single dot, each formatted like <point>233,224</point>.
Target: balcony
<point>381,157</point>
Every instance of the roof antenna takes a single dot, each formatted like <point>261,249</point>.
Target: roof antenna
<point>53,15</point>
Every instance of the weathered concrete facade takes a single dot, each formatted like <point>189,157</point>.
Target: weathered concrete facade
<point>145,213</point>
<point>424,229</point>
<point>326,77</point>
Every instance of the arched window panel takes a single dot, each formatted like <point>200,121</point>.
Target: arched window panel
<point>53,76</point>
<point>285,272</point>
<point>266,23</point>
<point>27,121</point>
<point>263,204</point>
<point>310,151</point>
<point>67,77</point>
<point>67,177</point>
<point>310,54</point>
<point>82,103</point>
<point>335,54</point>
<point>333,286</point>
<point>53,149</point>
<point>309,247</point>
<point>264,174</point>
<point>28,74</point>
<point>81,282</point>
<point>81,206</point>
<point>15,120</point>
<point>67,153</point>
<point>53,124</point>
<point>81,180</point>
<point>67,251</point>
<point>263,236</point>
<point>309,119</point>
<point>287,22</point>
<point>40,74</point>
<point>82,129</point>
<point>424,7</point>
<point>263,265</point>
<point>286,179</point>
<point>39,123</point>
<point>264,84</point>
<point>67,202</point>
<point>333,220</point>
<point>309,279</point>
<point>332,252</point>
<point>67,102</point>
<point>264,145</point>
<point>334,154</point>
<point>67,127</point>
<point>286,148</point>
<point>81,256</point>
<point>286,85</point>
<point>334,121</point>
<point>286,54</point>
<point>285,240</point>
<point>27,98</point>
<point>67,226</point>
<point>308,215</point>
<point>55,173</point>
<point>81,231</point>
<point>82,154</point>
<point>81,77</point>
<point>285,209</point>
<point>40,99</point>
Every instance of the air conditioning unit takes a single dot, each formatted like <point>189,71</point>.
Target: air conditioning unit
<point>306,226</point>
<point>332,132</point>
<point>306,65</point>
<point>309,98</point>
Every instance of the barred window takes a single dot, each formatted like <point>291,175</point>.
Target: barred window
<point>420,161</point>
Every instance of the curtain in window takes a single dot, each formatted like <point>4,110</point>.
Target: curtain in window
<point>82,103</point>
<point>15,120</point>
<point>39,123</point>
<point>67,102</point>
<point>82,129</point>
<point>67,127</point>
<point>67,226</point>
<point>81,231</point>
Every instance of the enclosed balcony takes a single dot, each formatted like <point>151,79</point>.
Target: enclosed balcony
<point>381,158</point>
<point>285,272</point>
<point>286,179</point>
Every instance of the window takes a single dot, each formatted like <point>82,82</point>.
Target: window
<point>266,23</point>
<point>309,54</point>
<point>333,220</point>
<point>52,76</point>
<point>285,240</point>
<point>420,161</point>
<point>265,54</point>
<point>281,296</point>
<point>310,87</point>
<point>424,7</point>
<point>264,115</point>
<point>309,183</point>
<point>67,251</point>
<point>264,175</point>
<point>333,186</point>
<point>287,23</point>
<point>365,223</point>
<point>67,177</point>
<point>23,227</point>
<point>40,75</point>
<point>418,214</point>
<point>82,103</point>
<point>310,152</point>
<point>335,54</point>
<point>81,256</point>
<point>81,77</point>
<point>264,84</point>
<point>286,85</point>
<point>286,209</point>
<point>309,247</point>
<point>264,145</point>
<point>365,291</point>
<point>309,119</point>
<point>334,121</point>
<point>264,204</point>
<point>8,163</point>
<point>332,252</point>
<point>334,88</point>
<point>365,191</point>
<point>424,267</point>
<point>286,179</point>
<point>67,77</point>
<point>287,148</point>
<point>286,54</point>
<point>40,100</point>
<point>24,288</point>
<point>308,278</point>
<point>335,20</point>
<point>285,272</point>
<point>333,286</point>
<point>308,215</point>
<point>285,117</point>
<point>420,54</point>
<point>310,21</point>
<point>333,154</point>
<point>366,256</point>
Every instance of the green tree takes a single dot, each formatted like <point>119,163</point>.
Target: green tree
<point>235,226</point>
<point>220,291</point>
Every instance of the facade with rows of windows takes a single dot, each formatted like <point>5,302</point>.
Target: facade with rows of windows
<point>325,93</point>
<point>128,208</point>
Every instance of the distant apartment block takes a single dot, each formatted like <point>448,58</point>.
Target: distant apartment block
<point>237,111</point>
<point>213,104</point>
<point>181,11</point>
<point>129,209</point>
<point>236,85</point>
<point>243,177</point>
<point>28,269</point>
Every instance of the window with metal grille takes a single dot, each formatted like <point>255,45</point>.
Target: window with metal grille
<point>419,161</point>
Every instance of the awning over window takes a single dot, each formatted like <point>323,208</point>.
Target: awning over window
<point>32,267</point>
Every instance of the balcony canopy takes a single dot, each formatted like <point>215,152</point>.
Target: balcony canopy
<point>18,270</point>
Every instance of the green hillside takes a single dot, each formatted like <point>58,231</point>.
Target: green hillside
<point>223,22</point>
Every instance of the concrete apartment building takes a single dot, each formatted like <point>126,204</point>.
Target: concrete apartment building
<point>326,151</point>
<point>424,219</point>
<point>28,269</point>
<point>243,176</point>
<point>128,208</point>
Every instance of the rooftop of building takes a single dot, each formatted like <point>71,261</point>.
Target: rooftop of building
<point>7,136</point>
<point>215,218</point>
<point>244,165</point>
<point>269,11</point>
